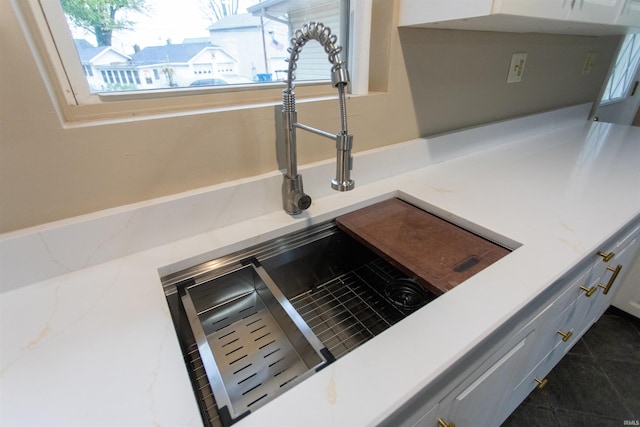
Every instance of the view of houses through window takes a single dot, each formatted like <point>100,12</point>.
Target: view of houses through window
<point>130,45</point>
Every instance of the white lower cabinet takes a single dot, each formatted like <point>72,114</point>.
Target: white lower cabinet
<point>586,298</point>
<point>469,407</point>
<point>430,418</point>
<point>609,276</point>
<point>466,404</point>
<point>627,298</point>
<point>491,385</point>
<point>554,339</point>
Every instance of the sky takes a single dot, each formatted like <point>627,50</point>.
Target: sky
<point>168,19</point>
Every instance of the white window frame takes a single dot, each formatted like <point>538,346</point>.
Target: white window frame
<point>43,22</point>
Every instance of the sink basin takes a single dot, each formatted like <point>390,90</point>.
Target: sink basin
<point>318,292</point>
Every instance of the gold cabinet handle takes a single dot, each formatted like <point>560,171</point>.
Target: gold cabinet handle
<point>606,257</point>
<point>565,335</point>
<point>442,423</point>
<point>614,276</point>
<point>541,383</point>
<point>588,291</point>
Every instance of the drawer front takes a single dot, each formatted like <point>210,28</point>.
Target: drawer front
<point>559,319</point>
<point>553,333</point>
<point>536,377</point>
<point>554,339</point>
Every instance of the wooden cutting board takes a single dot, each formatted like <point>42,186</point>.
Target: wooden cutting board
<point>434,252</point>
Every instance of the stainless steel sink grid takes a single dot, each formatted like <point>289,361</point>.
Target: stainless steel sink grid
<point>337,286</point>
<point>349,310</point>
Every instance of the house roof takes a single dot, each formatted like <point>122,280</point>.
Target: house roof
<point>82,43</point>
<point>196,40</point>
<point>88,52</point>
<point>174,53</point>
<point>265,4</point>
<point>234,22</point>
<point>279,7</point>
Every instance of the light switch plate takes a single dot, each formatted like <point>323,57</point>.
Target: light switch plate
<point>516,69</point>
<point>589,63</point>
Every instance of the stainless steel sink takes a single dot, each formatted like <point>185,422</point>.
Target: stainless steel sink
<point>317,294</point>
<point>252,342</point>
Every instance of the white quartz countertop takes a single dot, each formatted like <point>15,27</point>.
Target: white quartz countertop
<point>95,345</point>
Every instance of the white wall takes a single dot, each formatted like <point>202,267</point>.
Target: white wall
<point>422,82</point>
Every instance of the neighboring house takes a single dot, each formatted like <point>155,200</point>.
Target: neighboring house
<point>260,43</point>
<point>103,66</point>
<point>196,40</point>
<point>178,65</point>
<point>155,67</point>
<point>241,49</point>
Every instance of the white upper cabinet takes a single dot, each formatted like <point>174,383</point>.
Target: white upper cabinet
<point>630,14</point>
<point>589,11</point>
<point>416,12</point>
<point>589,17</point>
<point>596,11</point>
<point>548,9</point>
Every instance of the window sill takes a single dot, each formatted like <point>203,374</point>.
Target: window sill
<point>128,109</point>
<point>612,101</point>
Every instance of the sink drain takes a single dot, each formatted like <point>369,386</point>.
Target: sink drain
<point>405,294</point>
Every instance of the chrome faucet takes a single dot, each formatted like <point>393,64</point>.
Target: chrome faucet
<point>294,200</point>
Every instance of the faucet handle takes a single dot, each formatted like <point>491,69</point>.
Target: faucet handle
<point>302,201</point>
<point>294,199</point>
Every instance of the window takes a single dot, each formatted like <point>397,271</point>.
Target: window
<point>122,88</point>
<point>88,70</point>
<point>624,70</point>
<point>237,41</point>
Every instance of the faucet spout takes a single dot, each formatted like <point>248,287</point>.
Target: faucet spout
<point>293,197</point>
<point>344,143</point>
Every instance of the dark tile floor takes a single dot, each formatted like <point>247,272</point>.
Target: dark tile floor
<point>596,384</point>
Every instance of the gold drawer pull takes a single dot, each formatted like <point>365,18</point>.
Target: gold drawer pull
<point>606,257</point>
<point>565,335</point>
<point>441,423</point>
<point>541,383</point>
<point>614,276</point>
<point>588,291</point>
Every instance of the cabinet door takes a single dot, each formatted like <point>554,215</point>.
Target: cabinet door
<point>608,274</point>
<point>480,403</point>
<point>630,14</point>
<point>596,11</point>
<point>561,321</point>
<point>554,339</point>
<point>415,12</point>
<point>615,272</point>
<point>628,296</point>
<point>549,9</point>
<point>429,419</point>
<point>584,314</point>
<point>535,378</point>
<point>593,11</point>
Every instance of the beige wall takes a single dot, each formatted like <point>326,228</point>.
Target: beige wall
<point>426,82</point>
